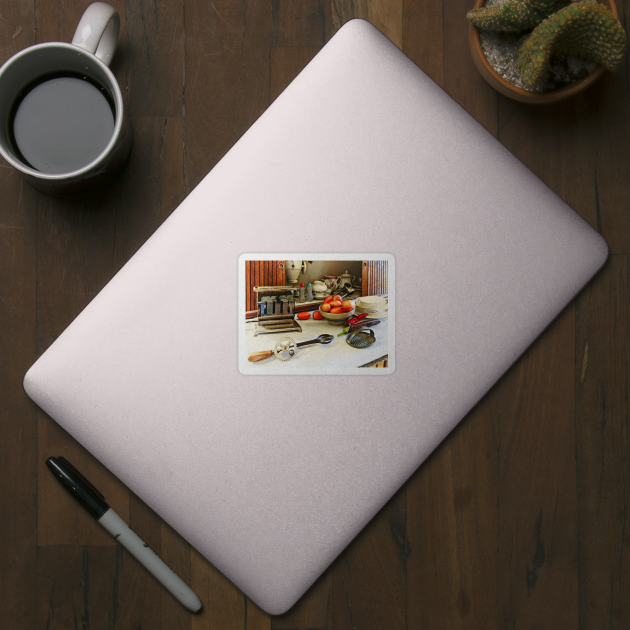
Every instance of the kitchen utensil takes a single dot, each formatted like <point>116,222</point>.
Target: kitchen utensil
<point>361,338</point>
<point>285,348</point>
<point>340,291</point>
<point>276,310</point>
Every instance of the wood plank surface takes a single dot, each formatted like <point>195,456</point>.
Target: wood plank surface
<point>155,64</point>
<point>518,520</point>
<point>300,24</point>
<point>452,527</point>
<point>422,36</point>
<point>537,503</point>
<point>386,15</point>
<point>18,322</point>
<point>602,381</point>
<point>226,86</point>
<point>369,577</point>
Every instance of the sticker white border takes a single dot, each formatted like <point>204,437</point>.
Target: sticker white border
<point>278,368</point>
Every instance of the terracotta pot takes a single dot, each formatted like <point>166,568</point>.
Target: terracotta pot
<point>518,94</point>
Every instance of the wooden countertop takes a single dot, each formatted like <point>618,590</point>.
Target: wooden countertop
<point>518,520</point>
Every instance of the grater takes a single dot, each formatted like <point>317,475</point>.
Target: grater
<point>361,338</point>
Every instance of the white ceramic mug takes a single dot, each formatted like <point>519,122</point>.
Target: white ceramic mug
<point>87,57</point>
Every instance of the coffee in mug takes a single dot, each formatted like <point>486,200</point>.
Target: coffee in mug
<point>65,128</point>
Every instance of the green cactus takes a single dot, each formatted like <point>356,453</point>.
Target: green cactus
<point>513,16</point>
<point>584,29</point>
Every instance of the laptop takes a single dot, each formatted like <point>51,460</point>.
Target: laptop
<point>363,155</point>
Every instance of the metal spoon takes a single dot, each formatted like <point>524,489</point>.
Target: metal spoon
<point>321,339</point>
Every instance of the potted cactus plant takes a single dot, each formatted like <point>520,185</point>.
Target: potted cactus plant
<point>558,49</point>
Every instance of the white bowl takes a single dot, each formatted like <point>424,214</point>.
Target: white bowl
<point>371,304</point>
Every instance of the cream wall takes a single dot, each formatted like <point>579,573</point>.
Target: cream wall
<point>320,268</point>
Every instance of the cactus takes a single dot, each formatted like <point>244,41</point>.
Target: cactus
<point>584,29</point>
<point>513,16</point>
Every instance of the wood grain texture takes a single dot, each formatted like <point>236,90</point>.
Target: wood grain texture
<point>574,149</point>
<point>226,78</point>
<point>152,606</point>
<point>224,606</point>
<point>374,278</point>
<point>386,15</point>
<point>369,587</point>
<point>461,79</point>
<point>285,64</point>
<point>519,519</point>
<point>154,58</point>
<point>151,187</point>
<point>18,416</point>
<point>57,22</point>
<point>452,514</point>
<point>313,610</point>
<point>58,519</point>
<point>76,587</point>
<point>300,24</point>
<point>602,380</point>
<point>537,502</point>
<point>422,36</point>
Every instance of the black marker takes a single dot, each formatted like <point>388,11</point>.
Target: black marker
<point>94,502</point>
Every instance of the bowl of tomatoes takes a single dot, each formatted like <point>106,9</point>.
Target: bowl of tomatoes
<point>336,310</point>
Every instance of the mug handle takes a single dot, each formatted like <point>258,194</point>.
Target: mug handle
<point>98,31</point>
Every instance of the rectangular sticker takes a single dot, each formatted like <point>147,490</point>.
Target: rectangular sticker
<point>316,314</point>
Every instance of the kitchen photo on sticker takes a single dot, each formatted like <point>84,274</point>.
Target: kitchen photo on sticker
<point>315,316</point>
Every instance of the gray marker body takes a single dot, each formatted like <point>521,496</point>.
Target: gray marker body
<point>149,559</point>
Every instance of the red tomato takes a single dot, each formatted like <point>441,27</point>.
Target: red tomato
<point>317,315</point>
<point>328,299</point>
<point>337,310</point>
<point>347,303</point>
<point>347,309</point>
<point>303,315</point>
<point>325,308</point>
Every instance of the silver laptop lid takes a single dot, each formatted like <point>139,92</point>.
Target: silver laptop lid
<point>147,377</point>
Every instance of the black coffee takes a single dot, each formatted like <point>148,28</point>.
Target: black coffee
<point>61,123</point>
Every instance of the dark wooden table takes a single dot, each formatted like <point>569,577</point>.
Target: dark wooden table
<point>518,520</point>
